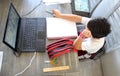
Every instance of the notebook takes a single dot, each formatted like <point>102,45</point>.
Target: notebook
<point>24,34</point>
<point>60,28</point>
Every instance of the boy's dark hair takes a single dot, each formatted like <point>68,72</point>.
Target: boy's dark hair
<point>99,27</point>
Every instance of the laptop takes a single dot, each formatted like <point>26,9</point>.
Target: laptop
<point>24,34</point>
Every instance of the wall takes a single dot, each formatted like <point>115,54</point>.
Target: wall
<point>104,8</point>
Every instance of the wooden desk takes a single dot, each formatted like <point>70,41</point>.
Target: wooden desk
<point>12,64</point>
<point>70,59</point>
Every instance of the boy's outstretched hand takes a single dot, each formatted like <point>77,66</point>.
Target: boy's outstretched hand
<point>56,13</point>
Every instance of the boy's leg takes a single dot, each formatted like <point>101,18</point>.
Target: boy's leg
<point>81,54</point>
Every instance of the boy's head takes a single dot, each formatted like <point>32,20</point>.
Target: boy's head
<point>99,27</point>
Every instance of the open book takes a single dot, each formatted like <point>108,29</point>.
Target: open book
<point>60,28</point>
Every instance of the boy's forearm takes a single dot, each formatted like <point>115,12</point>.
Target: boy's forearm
<point>71,17</point>
<point>77,43</point>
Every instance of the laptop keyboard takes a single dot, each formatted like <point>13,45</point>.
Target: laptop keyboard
<point>29,35</point>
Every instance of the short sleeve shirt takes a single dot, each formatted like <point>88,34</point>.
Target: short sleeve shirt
<point>91,45</point>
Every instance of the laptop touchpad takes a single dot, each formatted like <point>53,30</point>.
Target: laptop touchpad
<point>41,35</point>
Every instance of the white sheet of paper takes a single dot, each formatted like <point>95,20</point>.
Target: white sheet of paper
<point>59,28</point>
<point>56,1</point>
<point>1,58</point>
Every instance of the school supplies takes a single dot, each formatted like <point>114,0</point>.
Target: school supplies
<point>60,47</point>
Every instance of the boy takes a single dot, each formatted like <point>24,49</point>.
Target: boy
<point>92,38</point>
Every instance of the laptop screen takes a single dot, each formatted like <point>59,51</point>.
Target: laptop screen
<point>11,27</point>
